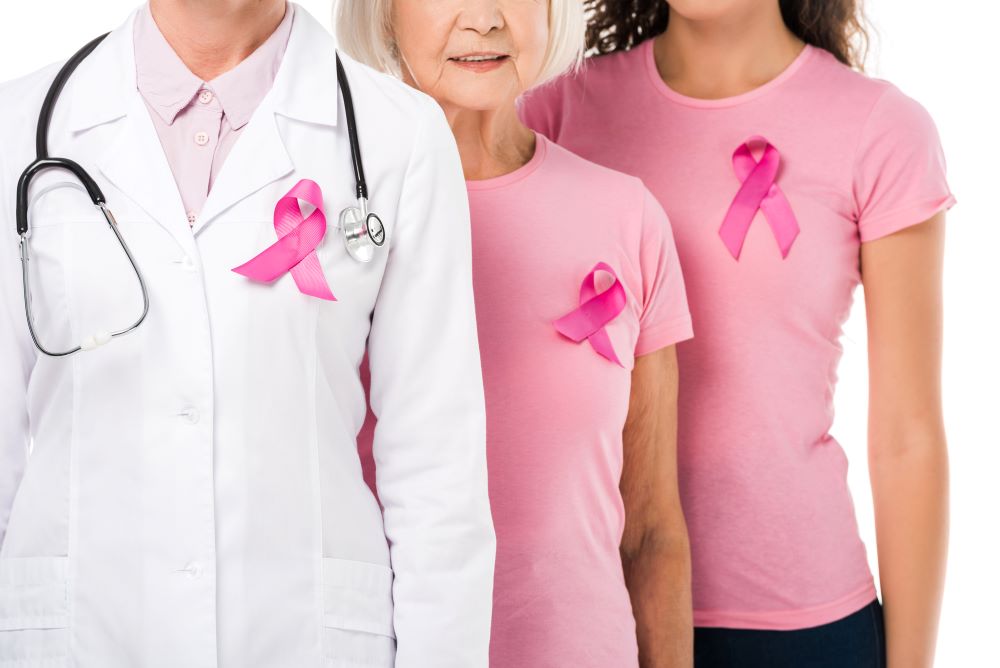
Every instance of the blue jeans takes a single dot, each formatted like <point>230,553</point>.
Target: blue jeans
<point>856,641</point>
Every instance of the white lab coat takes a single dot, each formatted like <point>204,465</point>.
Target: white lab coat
<point>194,497</point>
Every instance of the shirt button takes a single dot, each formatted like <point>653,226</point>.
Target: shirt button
<point>192,216</point>
<point>201,138</point>
<point>205,96</point>
<point>191,415</point>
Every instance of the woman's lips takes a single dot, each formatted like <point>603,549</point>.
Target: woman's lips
<point>480,62</point>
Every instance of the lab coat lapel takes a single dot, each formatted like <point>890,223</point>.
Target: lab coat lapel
<point>257,159</point>
<point>102,93</point>
<point>136,164</point>
<point>304,89</point>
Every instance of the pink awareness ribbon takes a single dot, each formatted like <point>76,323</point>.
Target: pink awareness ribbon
<point>295,249</point>
<point>595,311</point>
<point>758,191</point>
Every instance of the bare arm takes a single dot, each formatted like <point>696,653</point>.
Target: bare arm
<point>655,551</point>
<point>908,457</point>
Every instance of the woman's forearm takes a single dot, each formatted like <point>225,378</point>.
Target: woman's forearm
<point>654,547</point>
<point>910,488</point>
<point>908,459</point>
<point>658,576</point>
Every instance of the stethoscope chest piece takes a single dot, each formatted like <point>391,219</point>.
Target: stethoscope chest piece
<point>363,232</point>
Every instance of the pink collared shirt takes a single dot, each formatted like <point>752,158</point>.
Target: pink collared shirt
<point>198,122</point>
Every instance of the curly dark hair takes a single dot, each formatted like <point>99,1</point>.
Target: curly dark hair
<point>838,26</point>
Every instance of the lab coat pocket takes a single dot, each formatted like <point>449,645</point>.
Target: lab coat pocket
<point>357,615</point>
<point>34,612</point>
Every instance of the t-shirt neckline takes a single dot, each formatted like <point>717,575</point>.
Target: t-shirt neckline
<point>525,170</point>
<point>660,85</point>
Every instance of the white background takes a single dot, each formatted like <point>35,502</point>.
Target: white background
<point>945,55</point>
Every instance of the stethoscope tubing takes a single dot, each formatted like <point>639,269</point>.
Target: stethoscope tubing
<point>44,161</point>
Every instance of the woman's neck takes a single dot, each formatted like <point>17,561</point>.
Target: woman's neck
<point>725,57</point>
<point>212,38</point>
<point>491,143</point>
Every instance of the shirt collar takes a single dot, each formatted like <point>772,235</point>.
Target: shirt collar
<point>168,86</point>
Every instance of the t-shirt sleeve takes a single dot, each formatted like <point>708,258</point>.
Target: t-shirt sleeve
<point>665,319</point>
<point>899,175</point>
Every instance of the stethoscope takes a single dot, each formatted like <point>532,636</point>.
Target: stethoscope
<point>362,229</point>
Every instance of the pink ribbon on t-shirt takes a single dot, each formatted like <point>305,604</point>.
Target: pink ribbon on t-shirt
<point>295,249</point>
<point>759,190</point>
<point>595,311</point>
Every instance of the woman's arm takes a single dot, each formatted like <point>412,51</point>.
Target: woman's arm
<point>908,458</point>
<point>654,549</point>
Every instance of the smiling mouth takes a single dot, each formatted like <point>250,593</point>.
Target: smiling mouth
<point>480,58</point>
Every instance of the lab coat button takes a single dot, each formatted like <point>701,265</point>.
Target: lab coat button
<point>190,414</point>
<point>193,569</point>
<point>187,264</point>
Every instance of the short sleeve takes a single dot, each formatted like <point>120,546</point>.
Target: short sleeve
<point>665,319</point>
<point>899,172</point>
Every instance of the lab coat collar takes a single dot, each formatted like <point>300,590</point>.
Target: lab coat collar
<point>104,90</point>
<point>241,89</point>
<point>305,87</point>
<point>99,90</point>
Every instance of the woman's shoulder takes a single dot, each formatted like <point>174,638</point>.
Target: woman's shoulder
<point>595,75</point>
<point>882,110</point>
<point>594,190</point>
<point>586,178</point>
<point>850,84</point>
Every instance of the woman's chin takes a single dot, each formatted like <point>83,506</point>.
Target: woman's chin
<point>481,95</point>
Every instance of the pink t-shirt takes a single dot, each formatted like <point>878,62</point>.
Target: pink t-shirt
<point>774,539</point>
<point>555,409</point>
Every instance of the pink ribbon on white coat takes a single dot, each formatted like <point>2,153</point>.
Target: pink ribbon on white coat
<point>759,191</point>
<point>596,310</point>
<point>295,249</point>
